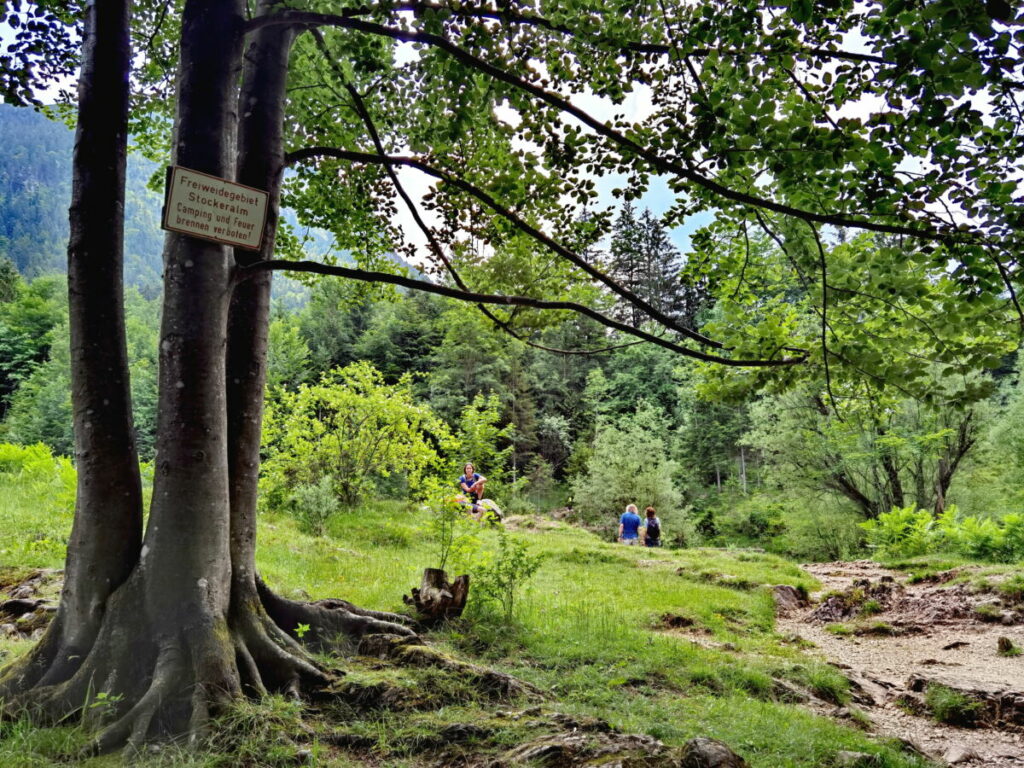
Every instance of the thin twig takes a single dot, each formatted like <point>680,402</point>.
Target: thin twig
<point>159,24</point>
<point>1005,275</point>
<point>824,321</point>
<point>746,260</point>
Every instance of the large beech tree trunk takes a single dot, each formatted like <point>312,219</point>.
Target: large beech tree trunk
<point>107,529</point>
<point>164,651</point>
<point>162,647</point>
<point>260,163</point>
<point>179,624</point>
<point>268,653</point>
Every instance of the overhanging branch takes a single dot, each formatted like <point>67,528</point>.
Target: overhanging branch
<point>517,221</point>
<point>656,161</point>
<point>428,233</point>
<point>507,301</point>
<point>603,41</point>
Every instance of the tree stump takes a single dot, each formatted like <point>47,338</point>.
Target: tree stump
<point>437,600</point>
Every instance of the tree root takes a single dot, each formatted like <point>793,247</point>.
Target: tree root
<point>330,623</point>
<point>411,651</point>
<point>269,659</point>
<point>134,725</point>
<point>146,678</point>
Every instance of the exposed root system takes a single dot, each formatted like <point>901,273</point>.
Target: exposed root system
<point>144,680</point>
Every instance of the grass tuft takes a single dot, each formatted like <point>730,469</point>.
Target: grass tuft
<point>870,608</point>
<point>949,706</point>
<point>1013,589</point>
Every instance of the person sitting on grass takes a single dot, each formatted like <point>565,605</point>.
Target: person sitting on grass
<point>629,526</point>
<point>472,484</point>
<point>652,528</point>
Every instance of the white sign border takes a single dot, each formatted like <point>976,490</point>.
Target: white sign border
<point>165,224</point>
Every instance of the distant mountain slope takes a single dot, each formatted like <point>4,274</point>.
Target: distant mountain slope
<point>35,191</point>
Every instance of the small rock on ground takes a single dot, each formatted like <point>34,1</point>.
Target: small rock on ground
<point>958,754</point>
<point>787,598</point>
<point>710,753</point>
<point>847,759</point>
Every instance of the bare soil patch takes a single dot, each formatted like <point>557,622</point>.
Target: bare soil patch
<point>897,641</point>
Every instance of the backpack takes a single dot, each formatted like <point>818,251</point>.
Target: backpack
<point>653,530</point>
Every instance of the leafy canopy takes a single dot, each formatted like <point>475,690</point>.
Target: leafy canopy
<point>897,119</point>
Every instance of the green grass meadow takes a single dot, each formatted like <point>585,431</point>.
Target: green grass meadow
<point>589,633</point>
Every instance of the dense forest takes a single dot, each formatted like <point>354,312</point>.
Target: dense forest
<point>725,457</point>
<point>35,191</point>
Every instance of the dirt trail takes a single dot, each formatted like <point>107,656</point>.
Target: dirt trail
<point>916,635</point>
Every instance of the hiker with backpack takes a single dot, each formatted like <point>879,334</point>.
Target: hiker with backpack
<point>652,528</point>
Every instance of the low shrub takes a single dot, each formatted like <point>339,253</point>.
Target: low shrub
<point>452,533</point>
<point>818,533</point>
<point>909,532</point>
<point>763,523</point>
<point>501,576</point>
<point>902,532</point>
<point>314,504</point>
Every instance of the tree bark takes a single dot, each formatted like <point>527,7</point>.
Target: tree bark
<point>107,528</point>
<point>950,462</point>
<point>839,481</point>
<point>893,496</point>
<point>162,649</point>
<point>265,625</point>
<point>920,484</point>
<point>268,657</point>
<point>260,165</point>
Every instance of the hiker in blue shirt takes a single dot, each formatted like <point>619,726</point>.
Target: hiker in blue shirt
<point>629,526</point>
<point>472,483</point>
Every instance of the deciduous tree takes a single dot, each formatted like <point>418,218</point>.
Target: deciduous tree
<point>760,113</point>
<point>351,429</point>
